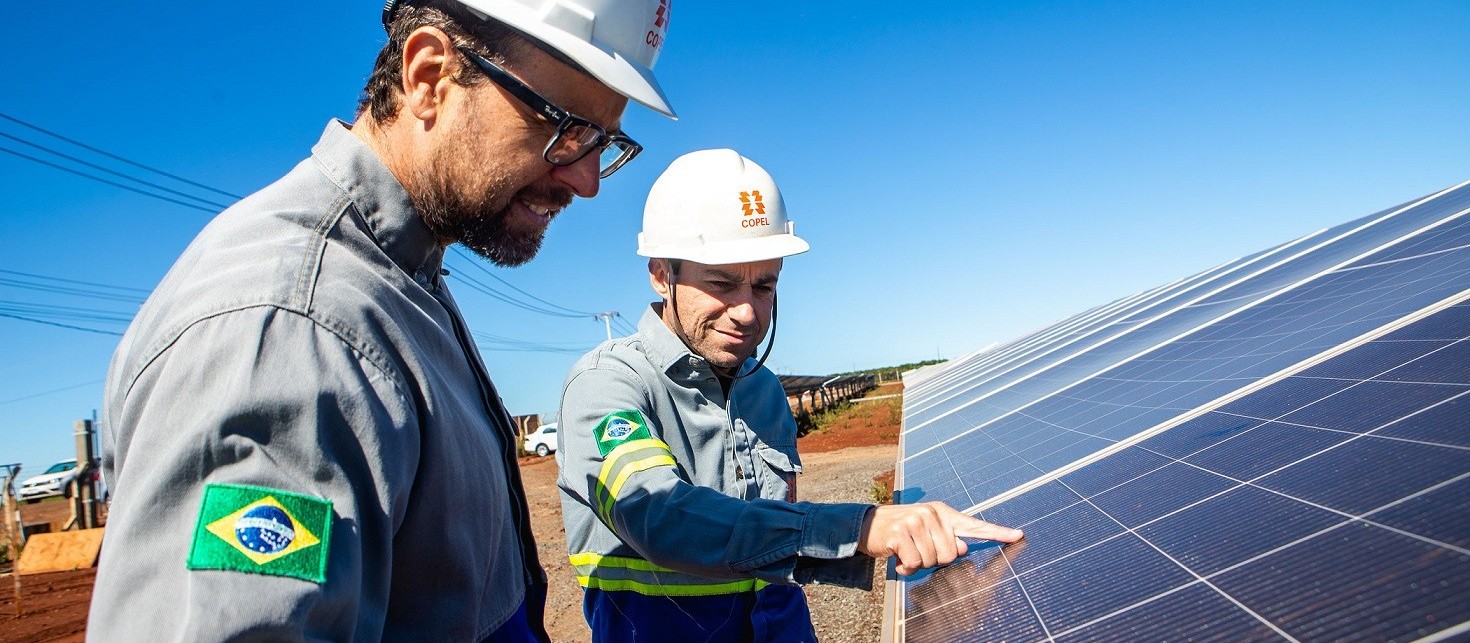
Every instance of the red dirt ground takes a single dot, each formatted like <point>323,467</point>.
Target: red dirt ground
<point>54,606</point>
<point>864,424</point>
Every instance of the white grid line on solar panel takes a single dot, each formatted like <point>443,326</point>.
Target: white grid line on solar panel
<point>1184,460</point>
<point>1021,350</point>
<point>1278,419</point>
<point>1250,322</point>
<point>1225,320</point>
<point>1349,518</point>
<point>1255,258</point>
<point>1203,409</point>
<point>1023,464</point>
<point>1344,241</point>
<point>1147,311</point>
<point>1445,635</point>
<point>1436,239</point>
<point>1197,577</point>
<point>1049,330</point>
<point>959,373</point>
<point>1015,350</point>
<point>1059,331</point>
<point>1302,540</point>
<point>1351,229</point>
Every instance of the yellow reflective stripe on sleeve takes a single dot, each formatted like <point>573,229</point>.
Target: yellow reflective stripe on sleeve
<point>624,461</point>
<point>598,560</point>
<point>638,465</point>
<point>620,573</point>
<point>630,469</point>
<point>646,589</point>
<point>611,461</point>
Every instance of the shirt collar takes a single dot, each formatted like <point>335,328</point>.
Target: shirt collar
<point>666,351</point>
<point>380,200</point>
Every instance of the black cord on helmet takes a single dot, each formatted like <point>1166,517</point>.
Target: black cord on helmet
<point>389,8</point>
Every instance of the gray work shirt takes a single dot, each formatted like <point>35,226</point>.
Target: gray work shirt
<point>720,505</point>
<point>305,342</point>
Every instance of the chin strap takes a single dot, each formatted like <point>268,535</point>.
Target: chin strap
<point>674,265</point>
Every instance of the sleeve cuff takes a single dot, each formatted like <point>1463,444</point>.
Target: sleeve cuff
<point>831,531</point>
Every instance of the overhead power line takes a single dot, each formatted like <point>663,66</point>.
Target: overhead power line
<point>489,291</point>
<point>569,311</point>
<point>116,157</point>
<point>40,283</point>
<point>73,281</point>
<point>61,325</point>
<point>102,180</point>
<point>116,173</point>
<point>55,390</point>
<point>499,343</point>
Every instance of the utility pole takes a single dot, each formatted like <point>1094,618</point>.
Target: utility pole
<point>607,320</point>
<point>84,485</point>
<point>13,527</point>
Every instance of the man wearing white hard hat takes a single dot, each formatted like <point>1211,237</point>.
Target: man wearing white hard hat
<point>301,437</point>
<point>678,448</point>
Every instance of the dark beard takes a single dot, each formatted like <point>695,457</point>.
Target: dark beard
<point>474,221</point>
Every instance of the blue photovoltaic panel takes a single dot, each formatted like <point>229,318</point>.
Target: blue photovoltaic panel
<point>1278,449</point>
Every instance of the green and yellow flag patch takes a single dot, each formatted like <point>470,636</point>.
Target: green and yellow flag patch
<point>619,427</point>
<point>262,531</point>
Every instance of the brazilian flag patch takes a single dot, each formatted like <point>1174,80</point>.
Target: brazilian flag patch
<point>619,427</point>
<point>262,531</point>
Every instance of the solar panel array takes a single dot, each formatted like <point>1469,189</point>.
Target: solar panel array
<point>1274,449</point>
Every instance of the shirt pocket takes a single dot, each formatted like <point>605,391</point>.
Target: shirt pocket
<point>778,477</point>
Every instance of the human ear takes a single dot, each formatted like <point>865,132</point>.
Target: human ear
<point>658,277</point>
<point>427,72</point>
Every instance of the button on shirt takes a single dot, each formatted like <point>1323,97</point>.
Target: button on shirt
<point>305,342</point>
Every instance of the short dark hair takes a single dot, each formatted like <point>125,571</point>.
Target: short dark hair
<point>488,37</point>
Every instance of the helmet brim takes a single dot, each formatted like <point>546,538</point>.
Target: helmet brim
<point>718,253</point>
<point>622,75</point>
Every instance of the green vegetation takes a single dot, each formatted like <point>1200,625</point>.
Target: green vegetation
<point>890,373</point>
<point>880,494</point>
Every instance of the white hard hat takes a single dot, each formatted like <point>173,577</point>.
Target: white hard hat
<point>617,41</point>
<point>717,207</point>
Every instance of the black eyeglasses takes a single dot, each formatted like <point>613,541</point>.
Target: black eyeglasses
<point>575,137</point>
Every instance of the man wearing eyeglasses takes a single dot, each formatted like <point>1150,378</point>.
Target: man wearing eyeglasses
<point>300,435</point>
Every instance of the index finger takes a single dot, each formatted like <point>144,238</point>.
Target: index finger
<point>976,528</point>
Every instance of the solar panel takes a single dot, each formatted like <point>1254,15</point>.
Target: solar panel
<point>1274,449</point>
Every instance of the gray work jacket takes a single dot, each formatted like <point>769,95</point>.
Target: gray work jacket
<point>305,343</point>
<point>706,493</point>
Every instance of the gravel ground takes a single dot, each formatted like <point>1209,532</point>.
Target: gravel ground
<point>842,614</point>
<point>839,614</point>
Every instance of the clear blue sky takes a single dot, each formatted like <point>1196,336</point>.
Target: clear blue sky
<point>965,171</point>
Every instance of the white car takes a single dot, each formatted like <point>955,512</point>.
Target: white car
<point>52,482</point>
<point>543,440</point>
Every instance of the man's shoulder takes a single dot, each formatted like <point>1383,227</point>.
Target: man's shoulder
<point>266,251</point>
<point>621,355</point>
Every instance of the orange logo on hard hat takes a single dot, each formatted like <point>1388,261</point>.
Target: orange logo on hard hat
<point>752,203</point>
<point>661,19</point>
<point>655,37</point>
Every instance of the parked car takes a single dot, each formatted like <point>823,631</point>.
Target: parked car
<point>52,482</point>
<point>543,440</point>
